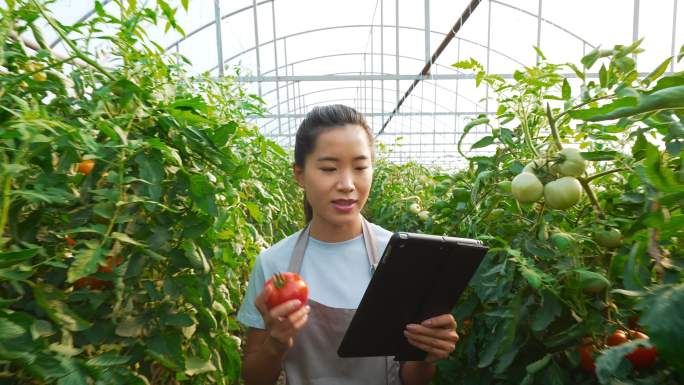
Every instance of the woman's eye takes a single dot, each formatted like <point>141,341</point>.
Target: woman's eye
<point>362,168</point>
<point>327,169</point>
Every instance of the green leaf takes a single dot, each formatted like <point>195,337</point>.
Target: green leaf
<point>549,310</point>
<point>594,156</point>
<point>612,361</point>
<point>59,311</point>
<point>484,142</point>
<point>603,76</point>
<point>130,327</point>
<point>254,211</point>
<point>657,72</point>
<point>566,91</point>
<point>85,263</point>
<point>662,316</point>
<point>9,329</point>
<point>11,258</point>
<point>125,238</point>
<point>202,193</point>
<point>166,348</point>
<point>178,320</point>
<point>663,99</point>
<point>538,365</point>
<point>109,359</point>
<point>198,365</point>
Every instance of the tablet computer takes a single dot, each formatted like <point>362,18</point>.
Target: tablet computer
<point>419,276</point>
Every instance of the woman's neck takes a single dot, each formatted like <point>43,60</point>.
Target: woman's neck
<point>328,232</point>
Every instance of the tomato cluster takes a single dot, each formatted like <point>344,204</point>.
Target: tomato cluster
<point>641,357</point>
<point>562,189</point>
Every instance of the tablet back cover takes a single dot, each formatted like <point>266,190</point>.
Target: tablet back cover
<point>418,277</point>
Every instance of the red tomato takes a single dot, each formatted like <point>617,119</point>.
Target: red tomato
<point>641,357</point>
<point>86,166</point>
<point>70,241</point>
<point>617,338</point>
<point>283,287</point>
<point>98,284</point>
<point>586,352</point>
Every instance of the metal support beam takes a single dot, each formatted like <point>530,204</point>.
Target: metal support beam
<point>539,20</point>
<point>635,24</point>
<point>275,56</point>
<point>426,70</point>
<point>384,114</point>
<point>396,43</point>
<point>219,41</point>
<point>256,40</point>
<point>427,33</point>
<point>674,33</point>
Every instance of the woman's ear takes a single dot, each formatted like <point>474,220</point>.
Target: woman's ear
<point>298,173</point>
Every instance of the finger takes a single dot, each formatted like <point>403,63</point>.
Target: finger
<point>437,343</point>
<point>285,308</point>
<point>440,333</point>
<point>440,353</point>
<point>299,313</point>
<point>444,321</point>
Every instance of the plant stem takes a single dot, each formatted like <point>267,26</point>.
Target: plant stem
<point>7,183</point>
<point>591,195</point>
<point>604,173</point>
<point>70,43</point>
<point>554,131</point>
<point>526,131</point>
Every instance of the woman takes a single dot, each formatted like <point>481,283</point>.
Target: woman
<point>335,255</point>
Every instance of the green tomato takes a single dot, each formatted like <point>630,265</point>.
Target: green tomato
<point>591,282</point>
<point>563,241</point>
<point>414,208</point>
<point>562,193</point>
<point>571,162</point>
<point>534,166</point>
<point>424,215</point>
<point>505,185</point>
<point>526,188</point>
<point>608,238</point>
<point>494,214</point>
<point>461,194</point>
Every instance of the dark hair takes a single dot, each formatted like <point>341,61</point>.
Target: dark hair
<point>321,119</point>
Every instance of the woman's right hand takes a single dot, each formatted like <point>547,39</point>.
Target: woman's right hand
<point>283,322</point>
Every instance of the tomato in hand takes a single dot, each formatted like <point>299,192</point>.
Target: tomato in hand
<point>283,287</point>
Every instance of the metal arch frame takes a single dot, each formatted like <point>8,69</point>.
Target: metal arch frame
<point>446,111</point>
<point>380,88</point>
<point>380,74</point>
<point>543,20</point>
<point>356,26</point>
<point>363,53</point>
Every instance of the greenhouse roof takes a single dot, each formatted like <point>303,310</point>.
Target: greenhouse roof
<point>369,54</point>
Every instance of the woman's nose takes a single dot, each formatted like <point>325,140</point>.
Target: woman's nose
<point>346,182</point>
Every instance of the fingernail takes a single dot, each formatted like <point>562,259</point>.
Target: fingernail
<point>411,327</point>
<point>427,322</point>
<point>297,303</point>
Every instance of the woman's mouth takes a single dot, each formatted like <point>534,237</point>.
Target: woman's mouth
<point>344,205</point>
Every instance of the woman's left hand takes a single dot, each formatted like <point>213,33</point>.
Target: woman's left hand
<point>437,336</point>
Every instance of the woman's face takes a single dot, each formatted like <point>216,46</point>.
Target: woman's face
<point>337,175</point>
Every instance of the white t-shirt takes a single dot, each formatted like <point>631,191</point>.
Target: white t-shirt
<point>337,274</point>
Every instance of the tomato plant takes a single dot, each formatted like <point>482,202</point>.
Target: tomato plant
<point>283,287</point>
<point>602,245</point>
<point>128,270</point>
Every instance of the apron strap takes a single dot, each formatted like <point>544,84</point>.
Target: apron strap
<point>297,255</point>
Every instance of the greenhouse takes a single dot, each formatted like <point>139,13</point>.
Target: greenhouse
<point>193,191</point>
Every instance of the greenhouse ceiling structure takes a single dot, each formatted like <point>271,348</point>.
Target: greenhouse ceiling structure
<point>392,59</point>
